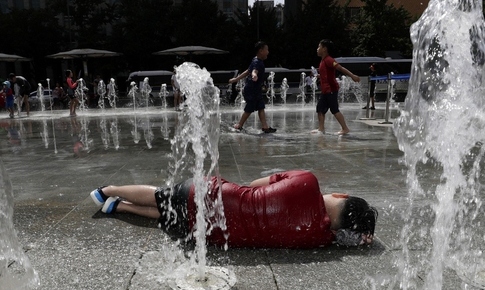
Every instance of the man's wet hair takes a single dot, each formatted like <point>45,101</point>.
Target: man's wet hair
<point>67,72</point>
<point>328,44</point>
<point>357,215</point>
<point>259,45</point>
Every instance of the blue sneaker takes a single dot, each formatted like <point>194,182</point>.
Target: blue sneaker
<point>98,196</point>
<point>111,204</point>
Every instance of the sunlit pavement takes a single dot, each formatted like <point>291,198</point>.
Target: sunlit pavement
<point>54,161</point>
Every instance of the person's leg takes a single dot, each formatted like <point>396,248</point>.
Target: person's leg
<point>321,122</point>
<point>322,108</point>
<point>333,104</point>
<point>142,195</point>
<point>340,118</point>
<point>71,106</point>
<point>135,199</point>
<point>27,105</point>
<point>74,103</point>
<point>243,119</point>
<point>372,101</point>
<point>262,118</point>
<point>19,101</point>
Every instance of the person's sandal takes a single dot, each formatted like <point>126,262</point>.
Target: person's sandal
<point>111,204</point>
<point>98,196</point>
<point>268,130</point>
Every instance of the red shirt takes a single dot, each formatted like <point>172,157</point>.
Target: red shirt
<point>287,213</point>
<point>71,84</point>
<point>328,82</point>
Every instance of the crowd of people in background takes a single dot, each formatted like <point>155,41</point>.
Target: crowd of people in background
<point>65,93</point>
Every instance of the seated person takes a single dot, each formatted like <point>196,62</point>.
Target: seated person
<point>284,210</point>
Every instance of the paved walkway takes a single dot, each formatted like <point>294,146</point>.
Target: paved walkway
<point>72,245</point>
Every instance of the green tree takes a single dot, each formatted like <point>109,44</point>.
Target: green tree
<point>141,28</point>
<point>319,19</point>
<point>85,18</point>
<point>381,27</point>
<point>260,21</point>
<point>33,34</point>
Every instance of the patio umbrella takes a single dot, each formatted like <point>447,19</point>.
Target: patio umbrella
<point>12,57</point>
<point>190,50</point>
<point>83,53</point>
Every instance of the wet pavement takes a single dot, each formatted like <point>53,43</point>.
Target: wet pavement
<point>54,161</point>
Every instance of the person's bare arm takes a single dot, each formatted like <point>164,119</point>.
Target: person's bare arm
<point>254,75</point>
<point>347,73</point>
<point>260,182</point>
<point>242,75</point>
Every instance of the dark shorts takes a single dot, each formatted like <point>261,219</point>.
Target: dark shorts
<point>173,209</point>
<point>254,105</point>
<point>9,103</point>
<point>72,97</point>
<point>23,92</point>
<point>328,101</point>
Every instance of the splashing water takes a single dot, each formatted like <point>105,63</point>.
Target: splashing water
<point>163,95</point>
<point>80,93</point>
<point>441,131</point>
<point>40,96</point>
<point>314,86</point>
<point>200,128</point>
<point>132,93</point>
<point>349,88</point>
<point>284,90</point>
<point>16,271</point>
<point>112,95</point>
<point>146,90</point>
<point>239,102</point>
<point>101,92</point>
<point>270,94</point>
<point>302,94</point>
<point>115,133</point>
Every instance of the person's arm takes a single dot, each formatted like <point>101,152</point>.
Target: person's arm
<point>71,84</point>
<point>347,73</point>
<point>279,177</point>
<point>242,75</point>
<point>260,182</point>
<point>254,75</point>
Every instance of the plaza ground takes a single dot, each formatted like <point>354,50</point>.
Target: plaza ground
<point>72,245</point>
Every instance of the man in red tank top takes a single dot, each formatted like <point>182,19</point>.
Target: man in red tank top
<point>284,210</point>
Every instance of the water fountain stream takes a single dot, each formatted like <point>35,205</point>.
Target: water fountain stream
<point>443,127</point>
<point>16,271</point>
<point>199,131</point>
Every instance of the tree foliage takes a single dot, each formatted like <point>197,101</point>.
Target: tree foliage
<point>139,28</point>
<point>381,27</point>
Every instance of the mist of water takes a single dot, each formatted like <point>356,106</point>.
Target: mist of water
<point>441,131</point>
<point>16,272</point>
<point>195,142</point>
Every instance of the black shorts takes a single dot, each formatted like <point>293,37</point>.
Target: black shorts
<point>328,101</point>
<point>173,209</point>
<point>254,105</point>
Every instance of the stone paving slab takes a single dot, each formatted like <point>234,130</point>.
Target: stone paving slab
<point>72,245</point>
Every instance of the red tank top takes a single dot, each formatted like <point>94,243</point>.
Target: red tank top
<point>287,213</point>
<point>328,82</point>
